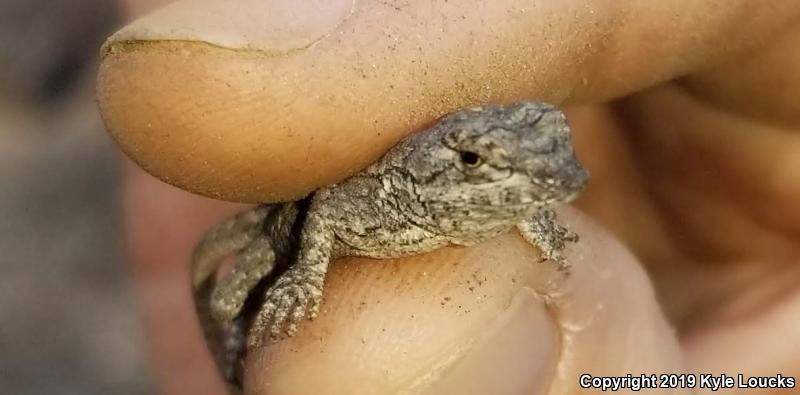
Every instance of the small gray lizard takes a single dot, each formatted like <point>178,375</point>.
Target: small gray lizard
<point>472,176</point>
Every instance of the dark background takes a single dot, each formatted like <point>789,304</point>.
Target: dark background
<point>68,317</point>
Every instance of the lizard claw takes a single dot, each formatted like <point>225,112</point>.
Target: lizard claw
<point>313,311</point>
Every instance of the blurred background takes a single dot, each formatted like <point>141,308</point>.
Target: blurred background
<point>68,318</point>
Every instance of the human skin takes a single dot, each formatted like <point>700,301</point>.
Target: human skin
<point>694,171</point>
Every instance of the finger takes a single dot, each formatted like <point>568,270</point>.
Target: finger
<point>763,85</point>
<point>474,321</point>
<point>269,100</point>
<point>761,343</point>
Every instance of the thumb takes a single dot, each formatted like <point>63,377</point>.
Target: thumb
<point>258,101</point>
<point>477,320</point>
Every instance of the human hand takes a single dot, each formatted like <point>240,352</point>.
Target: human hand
<point>693,171</point>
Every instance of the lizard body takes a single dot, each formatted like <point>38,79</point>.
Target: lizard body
<point>472,176</point>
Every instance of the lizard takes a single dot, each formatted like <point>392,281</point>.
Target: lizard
<point>473,175</point>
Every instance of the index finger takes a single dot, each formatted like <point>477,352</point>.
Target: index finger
<point>267,101</point>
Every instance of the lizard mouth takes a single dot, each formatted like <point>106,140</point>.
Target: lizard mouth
<point>553,192</point>
<point>569,198</point>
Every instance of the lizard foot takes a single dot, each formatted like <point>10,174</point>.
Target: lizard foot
<point>551,250</point>
<point>544,231</point>
<point>295,296</point>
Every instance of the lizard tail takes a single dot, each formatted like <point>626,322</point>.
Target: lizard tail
<point>222,241</point>
<point>225,240</point>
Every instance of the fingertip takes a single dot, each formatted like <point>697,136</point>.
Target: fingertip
<point>517,353</point>
<point>609,319</point>
<point>488,319</point>
<point>468,320</point>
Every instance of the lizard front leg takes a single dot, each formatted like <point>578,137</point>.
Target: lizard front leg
<point>297,293</point>
<point>544,231</point>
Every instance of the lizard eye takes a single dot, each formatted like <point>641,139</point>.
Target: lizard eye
<point>471,159</point>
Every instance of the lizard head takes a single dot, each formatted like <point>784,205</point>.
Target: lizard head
<point>496,159</point>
